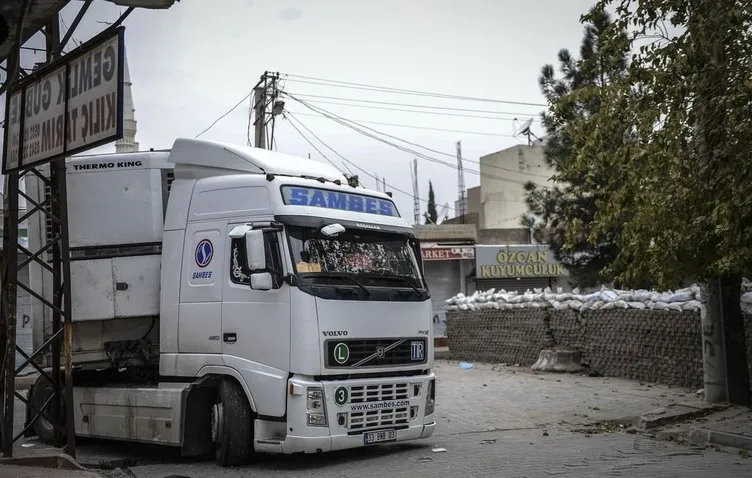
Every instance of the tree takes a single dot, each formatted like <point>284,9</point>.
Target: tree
<point>682,193</point>
<point>563,213</point>
<point>431,216</point>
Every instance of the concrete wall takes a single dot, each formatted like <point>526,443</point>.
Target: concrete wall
<point>473,203</point>
<point>446,233</point>
<point>650,345</point>
<point>503,202</point>
<point>504,236</point>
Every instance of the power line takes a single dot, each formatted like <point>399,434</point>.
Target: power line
<point>372,176</point>
<point>346,123</point>
<point>502,168</point>
<point>385,89</point>
<point>428,128</point>
<point>225,114</point>
<point>404,110</point>
<point>360,129</point>
<point>390,103</point>
<point>289,116</point>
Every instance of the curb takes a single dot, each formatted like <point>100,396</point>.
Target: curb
<point>442,353</point>
<point>715,437</point>
<point>675,413</point>
<point>60,461</point>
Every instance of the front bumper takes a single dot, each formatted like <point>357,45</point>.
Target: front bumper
<point>346,424</point>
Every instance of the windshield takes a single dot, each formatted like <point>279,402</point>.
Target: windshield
<point>365,254</point>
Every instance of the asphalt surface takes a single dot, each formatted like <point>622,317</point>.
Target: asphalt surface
<point>493,421</point>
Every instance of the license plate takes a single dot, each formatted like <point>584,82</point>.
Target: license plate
<point>370,438</point>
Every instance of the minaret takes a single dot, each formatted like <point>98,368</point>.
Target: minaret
<point>128,143</point>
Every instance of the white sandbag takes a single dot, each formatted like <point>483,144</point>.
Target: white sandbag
<point>747,298</point>
<point>677,306</point>
<point>574,304</point>
<point>591,297</point>
<point>637,305</point>
<point>660,305</point>
<point>692,305</point>
<point>608,295</point>
<point>620,304</point>
<point>681,297</point>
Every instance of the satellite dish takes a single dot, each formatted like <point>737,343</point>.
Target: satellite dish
<point>525,128</point>
<point>526,131</point>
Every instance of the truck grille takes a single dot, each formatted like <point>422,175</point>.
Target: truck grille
<point>378,393</point>
<point>375,352</point>
<point>393,417</point>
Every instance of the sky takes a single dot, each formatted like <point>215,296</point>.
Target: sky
<point>193,62</point>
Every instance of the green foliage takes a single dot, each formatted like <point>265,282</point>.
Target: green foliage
<point>674,134</point>
<point>566,211</point>
<point>431,216</point>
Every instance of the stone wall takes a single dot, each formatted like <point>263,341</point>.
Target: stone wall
<point>652,345</point>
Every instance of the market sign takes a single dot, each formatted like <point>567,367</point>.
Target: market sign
<point>447,253</point>
<point>69,106</point>
<point>528,260</point>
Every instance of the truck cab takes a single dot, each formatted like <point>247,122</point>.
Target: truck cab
<point>292,311</point>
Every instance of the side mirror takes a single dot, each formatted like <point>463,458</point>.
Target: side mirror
<point>261,281</point>
<point>255,252</point>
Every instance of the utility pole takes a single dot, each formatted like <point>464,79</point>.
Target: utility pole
<point>460,182</point>
<point>266,107</point>
<point>416,196</point>
<point>259,123</point>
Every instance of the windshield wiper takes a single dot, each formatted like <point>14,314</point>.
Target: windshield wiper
<point>392,277</point>
<point>340,275</point>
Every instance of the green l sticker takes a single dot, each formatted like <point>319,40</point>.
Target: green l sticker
<point>341,353</point>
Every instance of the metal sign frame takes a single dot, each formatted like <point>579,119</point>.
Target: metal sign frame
<point>57,408</point>
<point>22,85</point>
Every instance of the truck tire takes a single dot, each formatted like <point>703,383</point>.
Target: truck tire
<point>40,392</point>
<point>232,424</point>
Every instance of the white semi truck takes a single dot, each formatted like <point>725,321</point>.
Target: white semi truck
<point>230,299</point>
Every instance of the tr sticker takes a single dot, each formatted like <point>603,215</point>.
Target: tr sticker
<point>204,252</point>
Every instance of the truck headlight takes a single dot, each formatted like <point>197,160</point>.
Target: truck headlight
<point>430,397</point>
<point>315,407</point>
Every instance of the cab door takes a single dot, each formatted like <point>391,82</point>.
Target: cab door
<point>256,323</point>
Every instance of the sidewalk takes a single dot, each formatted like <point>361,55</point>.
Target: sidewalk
<point>50,465</point>
<point>13,471</point>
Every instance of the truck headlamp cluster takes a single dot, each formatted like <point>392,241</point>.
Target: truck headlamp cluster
<point>431,397</point>
<point>315,407</point>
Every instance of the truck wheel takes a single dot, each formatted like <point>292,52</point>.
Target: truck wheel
<point>232,424</point>
<point>40,393</point>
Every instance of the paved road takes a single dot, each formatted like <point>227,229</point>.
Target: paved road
<point>494,421</point>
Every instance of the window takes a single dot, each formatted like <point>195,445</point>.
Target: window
<point>239,271</point>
